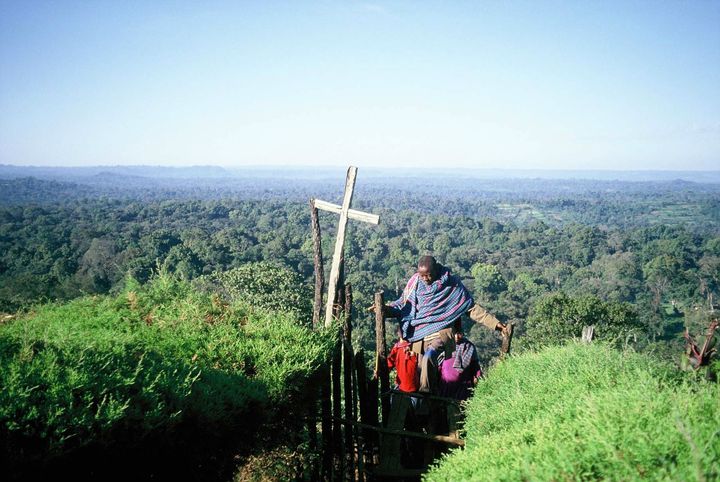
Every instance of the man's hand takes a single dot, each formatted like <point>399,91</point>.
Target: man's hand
<point>507,328</point>
<point>371,308</point>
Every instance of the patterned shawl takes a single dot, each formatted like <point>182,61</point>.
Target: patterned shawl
<point>426,309</point>
<point>464,353</point>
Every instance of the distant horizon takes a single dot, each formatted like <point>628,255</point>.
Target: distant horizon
<point>212,173</point>
<point>345,166</point>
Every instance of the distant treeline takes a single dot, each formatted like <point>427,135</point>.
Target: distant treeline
<point>604,203</point>
<point>655,246</point>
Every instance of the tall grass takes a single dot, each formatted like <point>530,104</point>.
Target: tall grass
<point>588,412</point>
<point>147,363</point>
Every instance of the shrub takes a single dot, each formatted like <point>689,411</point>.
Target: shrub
<point>558,318</point>
<point>106,370</point>
<point>267,285</point>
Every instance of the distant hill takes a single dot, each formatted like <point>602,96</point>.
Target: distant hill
<point>315,173</point>
<point>8,171</point>
<point>306,172</point>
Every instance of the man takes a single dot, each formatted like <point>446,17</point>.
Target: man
<point>431,302</point>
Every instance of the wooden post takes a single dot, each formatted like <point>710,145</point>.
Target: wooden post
<point>372,399</point>
<point>326,425</point>
<point>313,436</point>
<point>348,385</point>
<point>337,428</point>
<point>381,355</point>
<point>337,441</point>
<point>318,262</point>
<point>358,437</point>
<point>364,404</point>
<point>391,448</point>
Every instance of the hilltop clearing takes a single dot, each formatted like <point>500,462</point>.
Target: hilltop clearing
<point>588,412</point>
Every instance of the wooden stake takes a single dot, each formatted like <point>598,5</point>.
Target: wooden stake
<point>337,441</point>
<point>364,404</point>
<point>318,262</point>
<point>357,404</point>
<point>313,436</point>
<point>348,385</point>
<point>326,425</point>
<point>372,399</point>
<point>381,367</point>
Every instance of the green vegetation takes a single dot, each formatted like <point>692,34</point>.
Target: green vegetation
<point>72,247</point>
<point>558,318</point>
<point>173,363</point>
<point>587,412</point>
<point>264,285</point>
<point>156,362</point>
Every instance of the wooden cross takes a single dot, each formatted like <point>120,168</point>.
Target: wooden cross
<point>345,213</point>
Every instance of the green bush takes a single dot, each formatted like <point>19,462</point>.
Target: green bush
<point>267,285</point>
<point>557,318</point>
<point>101,370</point>
<point>587,412</point>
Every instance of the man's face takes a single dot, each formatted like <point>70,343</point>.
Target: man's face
<point>426,274</point>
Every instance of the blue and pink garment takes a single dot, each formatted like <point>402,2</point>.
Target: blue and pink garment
<point>425,309</point>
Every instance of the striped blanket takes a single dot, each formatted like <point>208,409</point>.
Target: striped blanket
<point>465,352</point>
<point>463,357</point>
<point>426,309</point>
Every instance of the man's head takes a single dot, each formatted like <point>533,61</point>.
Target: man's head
<point>428,269</point>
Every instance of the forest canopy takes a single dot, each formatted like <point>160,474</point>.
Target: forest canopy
<point>648,252</point>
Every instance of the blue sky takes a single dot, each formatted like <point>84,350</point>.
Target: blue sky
<point>482,84</point>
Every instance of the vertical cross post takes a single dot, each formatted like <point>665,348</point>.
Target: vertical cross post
<point>339,244</point>
<point>345,213</point>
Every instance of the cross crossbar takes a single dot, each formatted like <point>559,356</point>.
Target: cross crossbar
<point>345,213</point>
<point>352,213</point>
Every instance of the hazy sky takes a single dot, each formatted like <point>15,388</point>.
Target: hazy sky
<point>485,84</point>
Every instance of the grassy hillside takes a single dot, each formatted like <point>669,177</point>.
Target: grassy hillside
<point>158,370</point>
<point>588,413</point>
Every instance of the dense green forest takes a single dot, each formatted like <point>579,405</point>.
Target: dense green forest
<point>523,246</point>
<point>145,315</point>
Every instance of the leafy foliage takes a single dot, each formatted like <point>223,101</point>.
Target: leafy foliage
<point>587,412</point>
<point>557,318</point>
<point>652,244</point>
<point>269,286</point>
<point>147,362</point>
<point>488,278</point>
